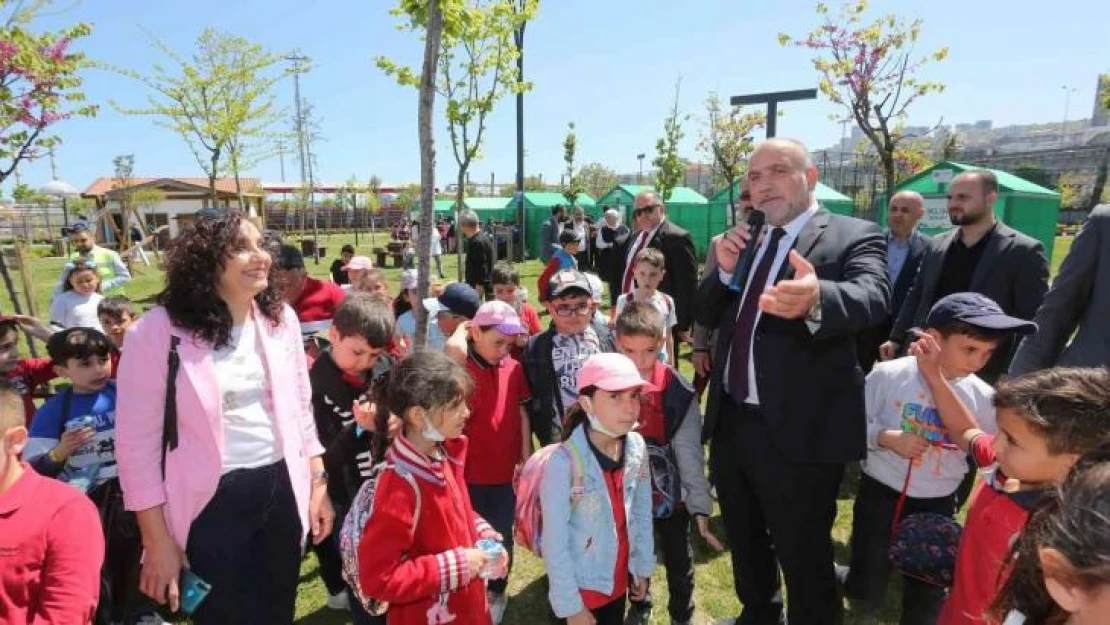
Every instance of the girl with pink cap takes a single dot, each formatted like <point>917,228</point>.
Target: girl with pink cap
<point>597,515</point>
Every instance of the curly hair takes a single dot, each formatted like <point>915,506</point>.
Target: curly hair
<point>193,262</point>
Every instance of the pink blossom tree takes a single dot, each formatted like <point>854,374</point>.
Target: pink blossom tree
<point>871,70</point>
<point>39,83</point>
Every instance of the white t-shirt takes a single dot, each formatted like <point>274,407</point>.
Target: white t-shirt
<point>249,437</point>
<point>437,247</point>
<point>665,305</point>
<point>899,399</point>
<point>71,309</point>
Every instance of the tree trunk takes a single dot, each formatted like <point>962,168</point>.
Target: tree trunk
<point>13,294</point>
<point>459,195</point>
<point>1100,182</point>
<point>432,36</point>
<point>212,177</point>
<point>888,174</point>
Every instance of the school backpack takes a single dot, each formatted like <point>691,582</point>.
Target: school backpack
<point>350,533</point>
<point>528,517</point>
<point>666,489</point>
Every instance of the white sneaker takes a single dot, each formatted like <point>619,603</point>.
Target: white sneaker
<point>497,602</point>
<point>339,601</point>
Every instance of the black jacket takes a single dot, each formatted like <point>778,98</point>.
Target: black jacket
<point>1013,271</point>
<point>479,261</point>
<point>681,279</point>
<point>871,339</point>
<point>347,454</point>
<point>539,369</point>
<point>810,384</point>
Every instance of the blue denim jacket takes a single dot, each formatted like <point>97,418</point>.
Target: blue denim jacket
<point>580,541</point>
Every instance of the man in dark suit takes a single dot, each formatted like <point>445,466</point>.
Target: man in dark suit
<point>904,248</point>
<point>982,255</point>
<point>1078,303</point>
<point>480,254</point>
<point>549,232</point>
<point>653,229</point>
<point>786,402</point>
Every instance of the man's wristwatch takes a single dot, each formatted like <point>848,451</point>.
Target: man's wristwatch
<point>320,477</point>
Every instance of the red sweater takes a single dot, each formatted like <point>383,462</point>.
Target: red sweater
<point>51,549</point>
<point>495,428</point>
<point>414,570</point>
<point>29,374</point>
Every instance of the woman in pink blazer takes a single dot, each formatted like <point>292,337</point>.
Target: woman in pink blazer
<point>245,481</point>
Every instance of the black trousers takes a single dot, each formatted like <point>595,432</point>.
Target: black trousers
<point>672,538</point>
<point>873,515</point>
<point>776,512</point>
<point>120,599</point>
<point>611,613</point>
<point>246,543</point>
<point>331,566</point>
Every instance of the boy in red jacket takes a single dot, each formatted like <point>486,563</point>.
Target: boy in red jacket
<point>50,536</point>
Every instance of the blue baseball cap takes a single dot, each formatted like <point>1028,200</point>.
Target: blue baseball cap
<point>457,298</point>
<point>977,310</point>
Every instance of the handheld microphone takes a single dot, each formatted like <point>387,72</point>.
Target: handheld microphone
<point>756,221</point>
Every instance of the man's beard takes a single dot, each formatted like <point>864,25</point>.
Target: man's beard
<point>965,218</point>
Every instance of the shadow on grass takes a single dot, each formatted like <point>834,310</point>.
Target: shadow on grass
<point>325,616</point>
<point>529,604</point>
<point>703,553</point>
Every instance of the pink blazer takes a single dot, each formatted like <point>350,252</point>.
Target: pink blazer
<point>193,469</point>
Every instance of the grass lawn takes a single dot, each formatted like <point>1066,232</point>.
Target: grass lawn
<point>528,603</point>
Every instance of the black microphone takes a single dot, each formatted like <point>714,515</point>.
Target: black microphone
<point>744,263</point>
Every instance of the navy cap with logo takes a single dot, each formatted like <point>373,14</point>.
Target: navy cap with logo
<point>567,280</point>
<point>459,299</point>
<point>290,257</point>
<point>977,310</point>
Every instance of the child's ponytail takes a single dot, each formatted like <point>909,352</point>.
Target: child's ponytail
<point>576,416</point>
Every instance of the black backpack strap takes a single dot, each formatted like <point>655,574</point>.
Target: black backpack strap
<point>169,413</point>
<point>67,399</point>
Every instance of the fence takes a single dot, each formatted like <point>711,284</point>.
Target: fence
<point>34,223</point>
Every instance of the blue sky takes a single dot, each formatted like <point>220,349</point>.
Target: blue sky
<point>608,65</point>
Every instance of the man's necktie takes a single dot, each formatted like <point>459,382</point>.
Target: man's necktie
<point>745,323</point>
<point>626,283</point>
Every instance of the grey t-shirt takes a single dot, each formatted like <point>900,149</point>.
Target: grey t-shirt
<point>568,353</point>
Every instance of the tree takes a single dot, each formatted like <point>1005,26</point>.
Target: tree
<point>911,158</point>
<point>1099,186</point>
<point>434,19</point>
<point>572,187</point>
<point>870,70</point>
<point>1070,189</point>
<point>669,166</point>
<point>123,167</point>
<point>40,82</point>
<point>597,179</point>
<point>477,67</point>
<point>727,141</point>
<point>217,100</point>
<point>22,193</point>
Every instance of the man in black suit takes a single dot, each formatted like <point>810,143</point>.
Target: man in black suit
<point>786,402</point>
<point>982,255</point>
<point>653,229</point>
<point>904,248</point>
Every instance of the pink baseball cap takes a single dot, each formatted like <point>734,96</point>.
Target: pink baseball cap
<point>611,372</point>
<point>501,317</point>
<point>359,262</point>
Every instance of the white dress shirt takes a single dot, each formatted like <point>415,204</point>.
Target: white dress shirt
<point>786,243</point>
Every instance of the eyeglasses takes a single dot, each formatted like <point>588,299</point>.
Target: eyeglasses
<point>568,311</point>
<point>645,210</point>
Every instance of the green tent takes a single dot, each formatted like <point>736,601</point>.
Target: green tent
<point>1022,205</point>
<point>687,208</point>
<point>498,208</point>
<point>829,197</point>
<point>537,210</point>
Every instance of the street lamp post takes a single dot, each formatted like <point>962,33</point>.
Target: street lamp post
<point>1067,102</point>
<point>640,176</point>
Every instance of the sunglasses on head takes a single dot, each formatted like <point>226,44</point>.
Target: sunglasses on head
<point>645,210</point>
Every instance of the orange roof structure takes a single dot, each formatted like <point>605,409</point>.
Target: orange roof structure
<point>104,185</point>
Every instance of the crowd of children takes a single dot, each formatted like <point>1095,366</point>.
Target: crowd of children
<point>433,449</point>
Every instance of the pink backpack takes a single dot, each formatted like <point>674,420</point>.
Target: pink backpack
<point>528,519</point>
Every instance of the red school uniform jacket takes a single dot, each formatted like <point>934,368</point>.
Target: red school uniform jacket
<point>494,431</point>
<point>994,521</point>
<point>422,572</point>
<point>29,374</point>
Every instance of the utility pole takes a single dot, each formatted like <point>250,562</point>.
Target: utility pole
<point>281,157</point>
<point>302,148</point>
<point>1064,128</point>
<point>518,38</point>
<point>772,101</point>
<point>54,170</point>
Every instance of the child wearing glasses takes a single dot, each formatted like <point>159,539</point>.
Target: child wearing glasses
<point>552,358</point>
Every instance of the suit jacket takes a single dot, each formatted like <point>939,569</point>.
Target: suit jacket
<point>193,468</point>
<point>810,382</point>
<point>549,237</point>
<point>871,339</point>
<point>681,279</point>
<point>1013,271</point>
<point>1079,297</point>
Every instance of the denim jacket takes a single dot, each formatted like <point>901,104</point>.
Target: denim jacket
<point>580,540</point>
